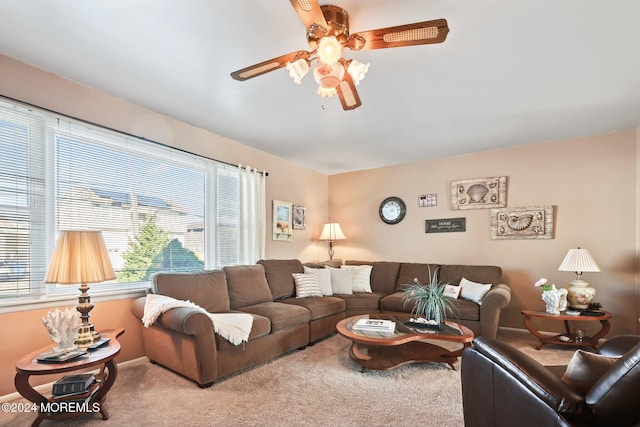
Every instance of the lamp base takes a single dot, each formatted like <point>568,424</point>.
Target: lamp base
<point>87,335</point>
<point>580,294</point>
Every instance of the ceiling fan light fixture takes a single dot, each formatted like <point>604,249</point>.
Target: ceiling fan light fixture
<point>328,76</point>
<point>357,70</point>
<point>326,92</point>
<point>329,50</point>
<point>298,69</point>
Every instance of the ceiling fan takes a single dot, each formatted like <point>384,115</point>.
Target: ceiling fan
<point>327,35</point>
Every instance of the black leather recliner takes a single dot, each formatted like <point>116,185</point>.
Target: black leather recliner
<point>503,387</point>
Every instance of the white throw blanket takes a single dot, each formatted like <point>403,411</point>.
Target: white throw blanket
<point>234,327</point>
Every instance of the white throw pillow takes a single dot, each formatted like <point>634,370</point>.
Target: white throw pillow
<point>324,279</point>
<point>306,285</point>
<point>361,277</point>
<point>473,291</point>
<point>452,291</point>
<point>341,280</point>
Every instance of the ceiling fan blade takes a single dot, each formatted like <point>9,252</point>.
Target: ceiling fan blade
<point>269,65</point>
<point>310,12</point>
<point>426,32</point>
<point>348,94</point>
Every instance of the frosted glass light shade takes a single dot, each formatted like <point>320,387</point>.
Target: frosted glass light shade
<point>357,70</point>
<point>328,76</point>
<point>298,69</point>
<point>329,50</point>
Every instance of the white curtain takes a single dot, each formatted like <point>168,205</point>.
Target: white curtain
<point>253,215</point>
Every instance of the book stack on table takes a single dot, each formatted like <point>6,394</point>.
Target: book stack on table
<point>73,386</point>
<point>375,325</point>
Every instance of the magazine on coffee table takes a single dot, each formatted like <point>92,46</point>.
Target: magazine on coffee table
<point>377,325</point>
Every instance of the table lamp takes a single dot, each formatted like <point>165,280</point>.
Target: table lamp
<point>80,257</point>
<point>580,294</point>
<point>331,232</point>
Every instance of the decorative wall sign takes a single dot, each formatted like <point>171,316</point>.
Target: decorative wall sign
<point>481,193</point>
<point>427,200</point>
<point>282,226</point>
<point>299,217</point>
<point>445,225</point>
<point>534,222</point>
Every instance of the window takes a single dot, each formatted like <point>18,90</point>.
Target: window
<point>159,209</point>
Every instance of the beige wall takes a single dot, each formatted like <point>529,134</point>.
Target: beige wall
<point>589,180</point>
<point>22,332</point>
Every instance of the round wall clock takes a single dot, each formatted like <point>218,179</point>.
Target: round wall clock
<point>392,210</point>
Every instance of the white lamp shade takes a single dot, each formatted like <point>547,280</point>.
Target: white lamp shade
<point>578,260</point>
<point>79,257</point>
<point>332,231</point>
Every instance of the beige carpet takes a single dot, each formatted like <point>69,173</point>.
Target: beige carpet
<point>318,386</point>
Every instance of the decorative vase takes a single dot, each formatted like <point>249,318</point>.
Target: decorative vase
<point>555,300</point>
<point>580,295</point>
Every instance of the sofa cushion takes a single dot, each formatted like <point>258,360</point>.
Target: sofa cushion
<point>261,327</point>
<point>465,310</point>
<point>395,302</point>
<point>279,276</point>
<point>247,285</point>
<point>341,280</point>
<point>324,279</point>
<point>282,316</point>
<point>474,291</point>
<point>363,302</point>
<point>409,271</point>
<point>206,289</point>
<point>361,281</point>
<point>462,309</point>
<point>384,274</point>
<point>452,274</point>
<point>585,369</point>
<point>319,307</point>
<point>335,263</point>
<point>307,285</point>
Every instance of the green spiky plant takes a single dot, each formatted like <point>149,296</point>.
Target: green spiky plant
<point>429,299</point>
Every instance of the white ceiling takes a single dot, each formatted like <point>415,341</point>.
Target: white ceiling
<point>510,72</point>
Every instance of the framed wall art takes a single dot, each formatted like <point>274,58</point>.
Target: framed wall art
<point>481,193</point>
<point>282,221</point>
<point>299,217</point>
<point>428,200</point>
<point>533,222</point>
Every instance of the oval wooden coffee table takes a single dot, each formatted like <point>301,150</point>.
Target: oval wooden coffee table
<point>569,336</point>
<point>374,350</point>
<point>102,357</point>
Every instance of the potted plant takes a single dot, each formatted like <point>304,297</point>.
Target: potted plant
<point>431,306</point>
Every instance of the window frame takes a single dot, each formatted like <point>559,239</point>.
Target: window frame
<point>54,124</point>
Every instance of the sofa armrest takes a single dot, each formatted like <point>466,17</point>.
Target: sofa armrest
<point>506,380</point>
<point>184,320</point>
<point>492,304</point>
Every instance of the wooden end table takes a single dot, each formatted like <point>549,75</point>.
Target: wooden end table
<point>570,339</point>
<point>405,345</point>
<point>29,365</point>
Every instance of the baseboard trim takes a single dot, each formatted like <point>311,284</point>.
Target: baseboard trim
<point>46,388</point>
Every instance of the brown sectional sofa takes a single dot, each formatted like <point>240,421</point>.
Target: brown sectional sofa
<point>183,340</point>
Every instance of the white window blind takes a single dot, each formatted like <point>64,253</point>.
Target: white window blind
<point>159,209</point>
